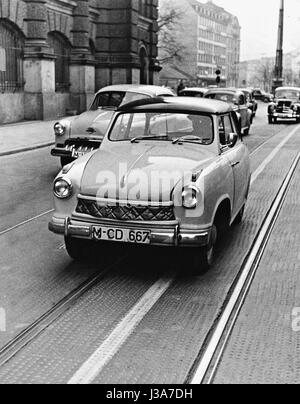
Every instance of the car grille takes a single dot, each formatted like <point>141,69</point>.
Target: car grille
<point>128,212</point>
<point>284,106</point>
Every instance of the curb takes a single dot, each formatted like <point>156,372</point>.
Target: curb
<point>26,149</point>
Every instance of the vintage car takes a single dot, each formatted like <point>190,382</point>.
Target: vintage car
<point>237,100</point>
<point>82,134</point>
<point>196,92</point>
<point>171,172</point>
<point>251,101</point>
<point>261,95</point>
<point>286,105</point>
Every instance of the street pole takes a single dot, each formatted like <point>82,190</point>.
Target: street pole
<point>278,80</point>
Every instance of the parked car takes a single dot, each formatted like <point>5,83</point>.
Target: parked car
<point>261,95</point>
<point>237,100</point>
<point>251,101</point>
<point>286,105</point>
<point>82,134</point>
<point>196,92</point>
<point>171,172</point>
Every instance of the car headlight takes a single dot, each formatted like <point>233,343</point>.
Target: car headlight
<point>63,188</point>
<point>190,197</point>
<point>59,129</point>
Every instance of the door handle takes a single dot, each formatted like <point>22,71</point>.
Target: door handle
<point>235,164</point>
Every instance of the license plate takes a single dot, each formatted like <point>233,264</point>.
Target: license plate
<point>121,235</point>
<point>77,154</point>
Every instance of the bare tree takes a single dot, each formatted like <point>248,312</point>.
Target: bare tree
<point>265,74</point>
<point>170,49</point>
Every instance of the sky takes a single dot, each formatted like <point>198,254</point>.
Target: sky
<point>259,22</point>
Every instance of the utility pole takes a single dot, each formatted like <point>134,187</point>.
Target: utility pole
<point>278,80</point>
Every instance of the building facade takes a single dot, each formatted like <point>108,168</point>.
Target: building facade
<point>260,72</point>
<point>54,54</point>
<point>211,39</point>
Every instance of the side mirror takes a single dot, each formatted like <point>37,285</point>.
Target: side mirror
<point>232,139</point>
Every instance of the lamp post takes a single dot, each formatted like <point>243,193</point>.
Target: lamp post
<point>278,80</point>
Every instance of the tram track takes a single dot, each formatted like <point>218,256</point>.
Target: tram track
<point>38,327</point>
<point>206,365</point>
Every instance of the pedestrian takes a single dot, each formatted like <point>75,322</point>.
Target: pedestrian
<point>180,87</point>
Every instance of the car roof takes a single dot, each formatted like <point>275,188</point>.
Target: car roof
<point>182,104</point>
<point>141,89</point>
<point>200,89</point>
<point>288,88</point>
<point>224,91</point>
<point>246,90</point>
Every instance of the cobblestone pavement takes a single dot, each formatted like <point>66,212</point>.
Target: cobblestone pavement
<point>36,274</point>
<point>264,346</point>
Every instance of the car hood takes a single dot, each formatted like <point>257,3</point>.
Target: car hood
<point>287,100</point>
<point>98,120</point>
<point>142,171</point>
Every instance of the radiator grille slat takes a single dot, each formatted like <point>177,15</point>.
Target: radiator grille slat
<point>126,213</point>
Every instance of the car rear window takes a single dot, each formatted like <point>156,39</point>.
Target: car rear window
<point>115,99</point>
<point>222,97</point>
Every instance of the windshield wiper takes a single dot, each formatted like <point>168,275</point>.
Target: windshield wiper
<point>137,139</point>
<point>190,139</point>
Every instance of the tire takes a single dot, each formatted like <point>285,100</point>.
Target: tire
<point>200,260</point>
<point>64,161</point>
<point>270,120</point>
<point>78,249</point>
<point>247,131</point>
<point>298,120</point>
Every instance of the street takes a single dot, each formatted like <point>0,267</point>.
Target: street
<point>132,315</point>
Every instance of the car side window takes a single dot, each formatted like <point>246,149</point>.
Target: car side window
<point>241,100</point>
<point>225,129</point>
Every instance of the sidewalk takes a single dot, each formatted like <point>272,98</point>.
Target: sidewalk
<point>25,136</point>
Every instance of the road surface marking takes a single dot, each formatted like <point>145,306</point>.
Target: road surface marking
<point>107,350</point>
<point>26,222</point>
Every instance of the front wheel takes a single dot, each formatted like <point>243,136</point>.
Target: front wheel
<point>270,120</point>
<point>77,248</point>
<point>200,260</point>
<point>247,131</point>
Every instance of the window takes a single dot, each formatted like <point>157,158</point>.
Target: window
<point>163,126</point>
<point>62,52</point>
<point>225,129</point>
<point>145,8</point>
<point>11,58</point>
<point>115,99</point>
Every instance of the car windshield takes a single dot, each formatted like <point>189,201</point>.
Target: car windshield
<point>288,94</point>
<point>231,98</point>
<point>115,99</point>
<point>162,126</point>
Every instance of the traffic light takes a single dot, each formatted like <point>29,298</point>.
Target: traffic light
<point>218,78</point>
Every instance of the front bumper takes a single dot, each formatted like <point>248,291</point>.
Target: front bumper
<point>285,115</point>
<point>75,149</point>
<point>168,237</point>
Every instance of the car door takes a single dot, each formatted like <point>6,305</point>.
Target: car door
<point>238,157</point>
<point>243,110</point>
